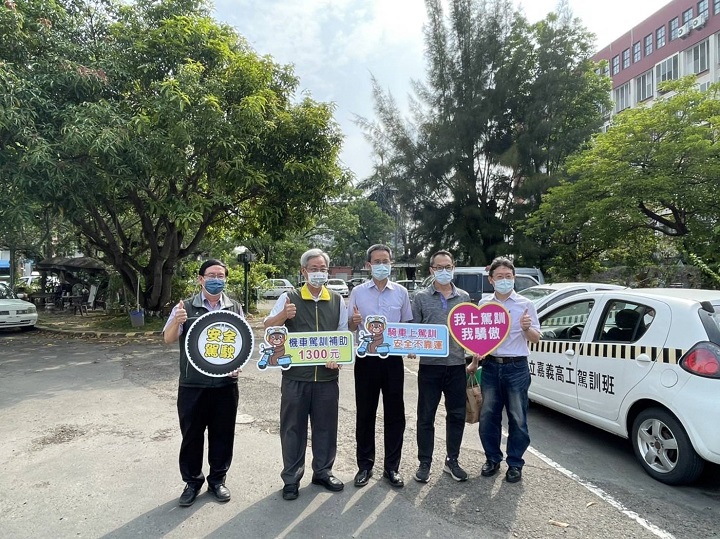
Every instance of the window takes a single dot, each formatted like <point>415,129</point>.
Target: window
<point>636,52</point>
<point>566,323</point>
<point>687,15</point>
<point>660,36</point>
<point>703,8</point>
<point>697,57</point>
<point>645,86</point>
<point>606,67</point>
<point>622,97</point>
<point>616,65</point>
<point>716,7</point>
<point>625,322</point>
<point>667,70</point>
<point>648,45</point>
<point>626,58</point>
<point>674,29</point>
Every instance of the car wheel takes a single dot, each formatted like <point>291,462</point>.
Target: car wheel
<point>664,449</point>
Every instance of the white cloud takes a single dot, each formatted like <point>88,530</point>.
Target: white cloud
<point>336,44</point>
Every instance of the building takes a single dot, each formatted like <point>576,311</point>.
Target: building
<point>680,39</point>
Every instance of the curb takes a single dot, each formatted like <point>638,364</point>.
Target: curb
<point>91,333</point>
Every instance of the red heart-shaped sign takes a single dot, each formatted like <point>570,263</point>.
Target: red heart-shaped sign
<point>479,329</point>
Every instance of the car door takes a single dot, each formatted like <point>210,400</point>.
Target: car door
<point>553,361</point>
<point>622,352</point>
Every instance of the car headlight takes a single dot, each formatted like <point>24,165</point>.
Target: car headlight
<point>30,310</point>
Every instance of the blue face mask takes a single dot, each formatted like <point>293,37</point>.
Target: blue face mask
<point>504,286</point>
<point>214,286</point>
<point>380,271</point>
<point>443,276</point>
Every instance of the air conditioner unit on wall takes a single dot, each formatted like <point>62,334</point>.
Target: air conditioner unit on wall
<point>698,22</point>
<point>683,31</point>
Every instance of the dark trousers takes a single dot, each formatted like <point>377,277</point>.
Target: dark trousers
<point>299,401</point>
<point>372,375</point>
<point>434,381</point>
<point>214,409</point>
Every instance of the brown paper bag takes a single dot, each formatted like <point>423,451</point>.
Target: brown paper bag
<point>473,401</point>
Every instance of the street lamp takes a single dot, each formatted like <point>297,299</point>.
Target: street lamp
<point>244,257</point>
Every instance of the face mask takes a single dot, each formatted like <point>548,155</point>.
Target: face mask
<point>317,278</point>
<point>380,271</point>
<point>214,286</point>
<point>443,276</point>
<point>504,286</point>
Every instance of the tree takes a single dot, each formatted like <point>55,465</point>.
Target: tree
<point>489,126</point>
<point>652,178</point>
<point>147,124</point>
<point>350,226</point>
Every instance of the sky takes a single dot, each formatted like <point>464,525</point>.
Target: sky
<point>336,46</point>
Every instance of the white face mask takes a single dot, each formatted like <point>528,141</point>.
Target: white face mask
<point>504,286</point>
<point>318,278</point>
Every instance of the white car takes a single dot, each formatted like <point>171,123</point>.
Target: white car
<point>545,295</point>
<point>339,286</point>
<point>643,364</point>
<point>14,312</point>
<point>274,288</point>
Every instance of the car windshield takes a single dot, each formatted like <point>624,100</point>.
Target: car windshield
<point>536,294</point>
<point>6,293</point>
<point>336,282</point>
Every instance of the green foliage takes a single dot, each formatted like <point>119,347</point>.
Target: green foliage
<point>504,103</point>
<point>707,270</point>
<point>649,182</point>
<point>352,224</point>
<point>146,125</point>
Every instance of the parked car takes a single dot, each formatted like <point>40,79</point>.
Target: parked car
<point>474,280</point>
<point>15,312</point>
<point>274,288</point>
<point>339,286</point>
<point>641,363</point>
<point>351,283</point>
<point>546,295</point>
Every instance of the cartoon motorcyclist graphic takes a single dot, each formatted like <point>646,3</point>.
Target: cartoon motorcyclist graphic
<point>373,342</point>
<point>273,354</point>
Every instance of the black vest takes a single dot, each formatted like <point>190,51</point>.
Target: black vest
<point>312,316</point>
<point>189,375</point>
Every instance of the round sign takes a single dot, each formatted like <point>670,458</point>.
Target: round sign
<point>219,342</point>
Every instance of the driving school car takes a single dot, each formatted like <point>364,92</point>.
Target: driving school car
<point>643,364</point>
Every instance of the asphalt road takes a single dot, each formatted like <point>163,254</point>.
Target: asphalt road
<point>89,449</point>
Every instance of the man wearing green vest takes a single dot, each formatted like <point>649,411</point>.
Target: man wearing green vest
<point>310,392</point>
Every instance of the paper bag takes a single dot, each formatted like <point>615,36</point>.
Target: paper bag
<point>473,400</point>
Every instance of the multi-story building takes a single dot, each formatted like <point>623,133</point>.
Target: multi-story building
<point>680,39</point>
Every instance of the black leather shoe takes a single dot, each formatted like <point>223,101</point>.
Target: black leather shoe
<point>363,477</point>
<point>490,468</point>
<point>221,492</point>
<point>290,492</point>
<point>513,475</point>
<point>330,482</point>
<point>395,478</point>
<point>187,498</point>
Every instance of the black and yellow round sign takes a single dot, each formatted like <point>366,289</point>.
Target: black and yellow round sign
<point>219,342</point>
